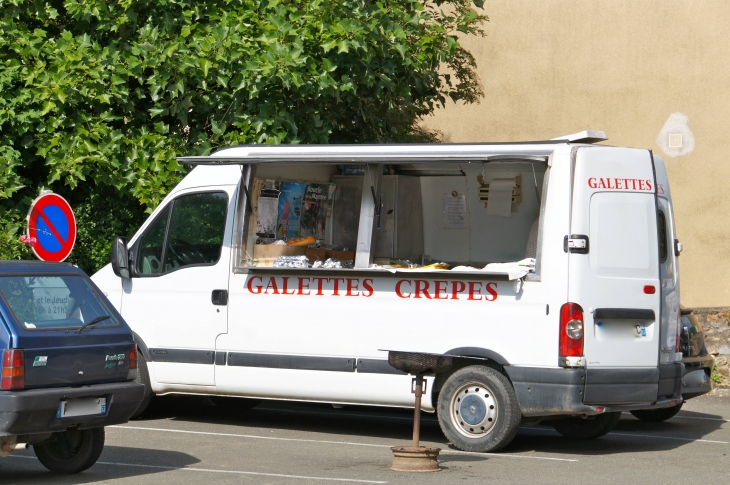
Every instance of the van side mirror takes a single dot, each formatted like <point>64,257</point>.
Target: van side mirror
<point>120,258</point>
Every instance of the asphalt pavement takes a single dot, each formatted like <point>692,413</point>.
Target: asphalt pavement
<point>188,439</point>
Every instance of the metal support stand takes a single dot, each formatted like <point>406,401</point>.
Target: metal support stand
<point>417,458</point>
<point>418,380</point>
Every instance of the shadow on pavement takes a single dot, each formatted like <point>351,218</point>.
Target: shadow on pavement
<point>395,425</point>
<point>24,468</point>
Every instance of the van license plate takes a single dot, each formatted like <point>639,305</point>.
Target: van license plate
<point>85,406</point>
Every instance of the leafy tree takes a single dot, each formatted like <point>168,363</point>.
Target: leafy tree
<point>97,98</point>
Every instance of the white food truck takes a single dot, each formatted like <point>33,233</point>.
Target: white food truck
<point>548,270</point>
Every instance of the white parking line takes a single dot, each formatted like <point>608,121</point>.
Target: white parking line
<point>668,438</point>
<point>234,472</point>
<point>302,440</point>
<point>679,416</point>
<point>705,419</point>
<point>658,437</point>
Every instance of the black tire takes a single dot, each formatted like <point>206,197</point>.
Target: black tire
<point>235,404</point>
<point>657,415</point>
<point>588,428</point>
<point>71,451</point>
<point>488,399</point>
<point>143,377</point>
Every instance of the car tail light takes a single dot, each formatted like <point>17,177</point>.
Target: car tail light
<point>133,356</point>
<point>13,374</point>
<point>132,373</point>
<point>571,330</point>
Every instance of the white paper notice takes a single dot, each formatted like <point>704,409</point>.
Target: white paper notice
<point>455,211</point>
<point>500,197</point>
<point>268,208</point>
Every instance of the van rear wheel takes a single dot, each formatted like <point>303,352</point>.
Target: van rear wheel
<point>588,428</point>
<point>657,415</point>
<point>478,409</point>
<point>71,451</point>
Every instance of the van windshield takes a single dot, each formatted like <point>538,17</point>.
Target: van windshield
<point>53,302</point>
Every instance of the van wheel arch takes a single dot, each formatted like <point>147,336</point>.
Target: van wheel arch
<point>141,346</point>
<point>468,356</point>
<point>143,376</point>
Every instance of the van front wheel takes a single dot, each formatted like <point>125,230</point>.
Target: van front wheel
<point>478,409</point>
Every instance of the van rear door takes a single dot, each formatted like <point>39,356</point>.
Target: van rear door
<point>615,275</point>
<point>670,281</point>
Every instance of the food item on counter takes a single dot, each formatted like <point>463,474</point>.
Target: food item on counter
<point>292,262</point>
<point>302,241</point>
<point>333,263</point>
<point>402,263</point>
<point>435,266</point>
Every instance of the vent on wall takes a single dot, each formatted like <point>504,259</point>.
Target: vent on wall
<point>516,191</point>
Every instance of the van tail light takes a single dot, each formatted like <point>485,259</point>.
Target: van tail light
<point>13,373</point>
<point>132,373</point>
<point>571,330</point>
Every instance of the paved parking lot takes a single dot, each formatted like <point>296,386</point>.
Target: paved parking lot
<point>190,440</point>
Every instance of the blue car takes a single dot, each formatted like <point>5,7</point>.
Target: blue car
<point>69,365</point>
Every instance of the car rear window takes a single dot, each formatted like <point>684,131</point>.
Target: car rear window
<point>54,302</point>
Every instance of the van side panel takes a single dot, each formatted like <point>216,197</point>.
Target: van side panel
<point>327,322</point>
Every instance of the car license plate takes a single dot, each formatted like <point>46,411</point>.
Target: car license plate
<point>85,406</point>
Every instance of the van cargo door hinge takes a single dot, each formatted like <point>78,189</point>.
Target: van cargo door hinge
<point>576,243</point>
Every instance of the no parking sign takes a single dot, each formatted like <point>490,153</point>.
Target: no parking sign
<point>51,227</point>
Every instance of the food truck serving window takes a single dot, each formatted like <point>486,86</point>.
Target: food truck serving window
<point>425,217</point>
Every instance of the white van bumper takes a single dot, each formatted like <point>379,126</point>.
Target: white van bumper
<point>558,391</point>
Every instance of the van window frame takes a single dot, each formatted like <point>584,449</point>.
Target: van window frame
<point>245,211</point>
<point>662,230</point>
<point>171,206</point>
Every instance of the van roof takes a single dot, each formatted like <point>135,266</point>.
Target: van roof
<point>393,153</point>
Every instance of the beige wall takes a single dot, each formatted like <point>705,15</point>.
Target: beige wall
<point>554,67</point>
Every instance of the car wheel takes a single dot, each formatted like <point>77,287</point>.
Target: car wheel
<point>71,451</point>
<point>586,428</point>
<point>478,409</point>
<point>657,415</point>
<point>234,404</point>
<point>143,377</point>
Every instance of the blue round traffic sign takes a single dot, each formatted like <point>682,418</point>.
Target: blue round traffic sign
<point>51,227</point>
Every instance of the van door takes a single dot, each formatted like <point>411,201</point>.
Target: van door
<point>669,282</point>
<point>614,261</point>
<point>177,305</point>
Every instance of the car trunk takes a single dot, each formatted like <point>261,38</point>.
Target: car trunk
<point>64,358</point>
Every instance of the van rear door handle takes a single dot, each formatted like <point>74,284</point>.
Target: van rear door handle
<point>219,297</point>
<point>624,314</point>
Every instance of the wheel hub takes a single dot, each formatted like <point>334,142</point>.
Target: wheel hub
<point>474,410</point>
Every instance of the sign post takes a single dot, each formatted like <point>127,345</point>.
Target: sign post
<point>51,227</point>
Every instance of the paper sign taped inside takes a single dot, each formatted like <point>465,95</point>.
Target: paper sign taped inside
<point>455,212</point>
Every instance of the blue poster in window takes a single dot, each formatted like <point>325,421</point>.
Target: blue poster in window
<point>289,221</point>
